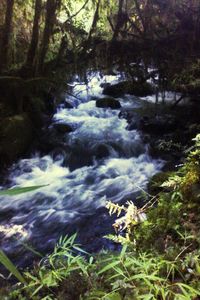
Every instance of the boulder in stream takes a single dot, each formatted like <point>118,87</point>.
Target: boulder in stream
<point>108,102</point>
<point>140,89</point>
<point>116,90</point>
<point>101,151</point>
<point>68,105</point>
<point>63,128</point>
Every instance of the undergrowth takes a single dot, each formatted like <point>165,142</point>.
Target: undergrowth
<point>160,256</point>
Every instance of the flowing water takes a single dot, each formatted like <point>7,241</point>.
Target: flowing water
<point>74,197</point>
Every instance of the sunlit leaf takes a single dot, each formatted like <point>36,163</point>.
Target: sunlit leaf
<point>20,190</point>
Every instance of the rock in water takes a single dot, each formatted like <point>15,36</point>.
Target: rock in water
<point>63,128</point>
<point>140,89</point>
<point>108,102</point>
<point>68,105</point>
<point>102,151</point>
<point>116,90</point>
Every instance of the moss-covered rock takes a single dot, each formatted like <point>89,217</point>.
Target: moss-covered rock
<point>154,185</point>
<point>16,133</point>
<point>116,90</point>
<point>36,109</point>
<point>140,89</point>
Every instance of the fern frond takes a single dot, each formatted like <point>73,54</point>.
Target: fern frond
<point>114,208</point>
<point>118,238</point>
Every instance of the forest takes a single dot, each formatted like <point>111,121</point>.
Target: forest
<point>99,149</point>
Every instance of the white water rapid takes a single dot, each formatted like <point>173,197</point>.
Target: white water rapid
<point>72,196</point>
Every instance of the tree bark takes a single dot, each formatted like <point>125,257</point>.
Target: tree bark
<point>50,19</point>
<point>31,56</point>
<point>62,49</point>
<point>118,25</point>
<point>4,53</point>
<point>93,27</point>
<point>94,23</point>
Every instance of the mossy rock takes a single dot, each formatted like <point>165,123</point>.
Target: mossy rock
<point>116,90</point>
<point>38,104</point>
<point>154,185</point>
<point>36,109</point>
<point>140,89</point>
<point>16,133</point>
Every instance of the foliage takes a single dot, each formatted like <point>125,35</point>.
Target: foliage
<point>140,22</point>
<point>56,267</point>
<point>189,79</point>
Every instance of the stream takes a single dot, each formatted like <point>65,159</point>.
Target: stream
<point>75,194</point>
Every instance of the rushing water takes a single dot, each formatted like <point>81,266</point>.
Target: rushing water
<point>74,198</point>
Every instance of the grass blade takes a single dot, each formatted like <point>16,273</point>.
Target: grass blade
<point>20,190</point>
<point>4,260</point>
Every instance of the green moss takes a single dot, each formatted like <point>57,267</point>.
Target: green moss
<point>15,136</point>
<point>154,185</point>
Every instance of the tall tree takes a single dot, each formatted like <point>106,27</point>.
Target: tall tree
<point>119,23</point>
<point>94,23</point>
<point>30,61</point>
<point>93,27</point>
<point>5,43</point>
<point>51,7</point>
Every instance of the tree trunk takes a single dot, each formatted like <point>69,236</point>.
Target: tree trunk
<point>93,27</point>
<point>118,25</point>
<point>30,61</point>
<point>4,53</point>
<point>94,23</point>
<point>50,19</point>
<point>62,49</point>
<point>139,13</point>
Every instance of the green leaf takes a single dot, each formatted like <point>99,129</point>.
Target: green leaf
<point>82,267</point>
<point>144,276</point>
<point>80,250</point>
<point>113,296</point>
<point>146,297</point>
<point>123,252</point>
<point>91,260</point>
<point>20,190</point>
<point>4,260</point>
<point>184,288</point>
<point>37,290</point>
<point>108,267</point>
<point>30,248</point>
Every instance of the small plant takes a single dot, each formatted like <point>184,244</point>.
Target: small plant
<point>56,267</point>
<point>132,217</point>
<point>169,146</point>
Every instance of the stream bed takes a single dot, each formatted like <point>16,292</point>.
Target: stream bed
<point>105,162</point>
